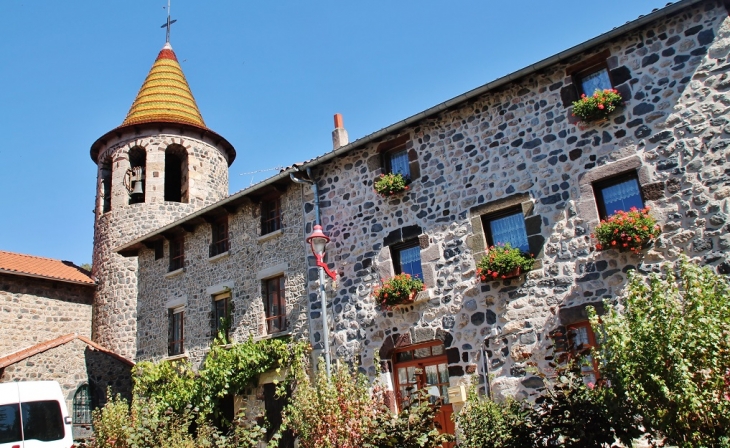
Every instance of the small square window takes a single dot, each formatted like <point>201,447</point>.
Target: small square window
<point>582,340</point>
<point>221,314</point>
<point>274,304</point>
<point>407,259</point>
<point>220,237</point>
<point>175,336</point>
<point>618,194</point>
<point>270,216</point>
<point>594,78</point>
<point>506,227</point>
<point>177,253</point>
<point>397,162</point>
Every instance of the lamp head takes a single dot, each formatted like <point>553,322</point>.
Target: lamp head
<point>318,240</point>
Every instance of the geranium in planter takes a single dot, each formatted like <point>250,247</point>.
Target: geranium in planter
<point>390,184</point>
<point>399,290</point>
<point>501,262</point>
<point>631,230</point>
<point>598,106</point>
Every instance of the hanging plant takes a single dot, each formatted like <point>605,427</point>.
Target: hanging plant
<point>598,106</point>
<point>391,184</point>
<point>502,262</point>
<point>399,290</point>
<point>631,230</point>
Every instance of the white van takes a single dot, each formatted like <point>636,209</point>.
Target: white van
<point>33,414</point>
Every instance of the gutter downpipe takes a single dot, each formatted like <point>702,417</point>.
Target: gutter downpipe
<point>322,292</point>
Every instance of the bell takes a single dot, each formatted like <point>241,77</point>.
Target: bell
<point>137,187</point>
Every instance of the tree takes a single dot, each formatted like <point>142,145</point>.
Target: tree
<point>668,353</point>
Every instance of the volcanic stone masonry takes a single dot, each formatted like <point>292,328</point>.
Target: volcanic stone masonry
<point>520,145</point>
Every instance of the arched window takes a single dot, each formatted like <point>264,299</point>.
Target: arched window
<point>176,174</point>
<point>105,172</point>
<point>137,165</point>
<point>82,406</point>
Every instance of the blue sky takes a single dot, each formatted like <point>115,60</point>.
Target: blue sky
<point>267,75</point>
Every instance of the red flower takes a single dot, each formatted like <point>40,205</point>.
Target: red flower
<point>495,274</point>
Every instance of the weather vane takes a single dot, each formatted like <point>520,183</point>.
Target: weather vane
<point>169,23</point>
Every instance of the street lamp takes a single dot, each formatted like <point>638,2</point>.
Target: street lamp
<point>318,241</point>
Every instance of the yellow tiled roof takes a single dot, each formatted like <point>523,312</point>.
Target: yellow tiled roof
<point>165,95</point>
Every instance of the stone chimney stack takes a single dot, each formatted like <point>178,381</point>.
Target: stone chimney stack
<point>339,135</point>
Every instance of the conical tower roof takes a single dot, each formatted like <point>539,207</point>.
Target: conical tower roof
<point>165,98</point>
<point>165,95</point>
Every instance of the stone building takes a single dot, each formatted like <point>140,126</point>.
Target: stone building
<point>45,316</point>
<point>505,162</point>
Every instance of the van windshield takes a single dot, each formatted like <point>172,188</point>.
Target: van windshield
<point>9,423</point>
<point>42,420</point>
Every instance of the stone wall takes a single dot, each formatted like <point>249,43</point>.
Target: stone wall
<point>72,365</point>
<point>114,320</point>
<point>34,310</point>
<point>519,144</point>
<point>240,271</point>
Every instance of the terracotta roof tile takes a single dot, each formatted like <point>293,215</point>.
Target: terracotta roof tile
<point>53,343</point>
<point>31,265</point>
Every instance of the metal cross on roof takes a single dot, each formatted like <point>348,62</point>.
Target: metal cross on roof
<point>169,23</point>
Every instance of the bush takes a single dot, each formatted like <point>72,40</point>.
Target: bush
<point>598,106</point>
<point>669,352</point>
<point>503,262</point>
<point>630,230</point>
<point>390,184</point>
<point>398,290</point>
<point>486,423</point>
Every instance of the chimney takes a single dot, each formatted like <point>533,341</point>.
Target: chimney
<point>339,135</point>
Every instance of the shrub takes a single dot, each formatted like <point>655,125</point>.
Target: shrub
<point>391,184</point>
<point>503,262</point>
<point>398,290</point>
<point>598,106</point>
<point>630,230</point>
<point>669,352</point>
<point>486,423</point>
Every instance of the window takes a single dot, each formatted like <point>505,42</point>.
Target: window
<point>137,163</point>
<point>222,313</point>
<point>270,216</point>
<point>10,423</point>
<point>42,421</point>
<point>159,250</point>
<point>506,227</point>
<point>582,339</point>
<point>396,162</point>
<point>592,79</point>
<point>220,236</point>
<point>177,253</point>
<point>82,406</point>
<point>175,338</point>
<point>176,174</point>
<point>407,259</point>
<point>618,194</point>
<point>274,304</point>
<point>105,171</point>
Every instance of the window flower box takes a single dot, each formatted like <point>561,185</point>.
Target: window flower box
<point>387,185</point>
<point>503,262</point>
<point>597,107</point>
<point>399,290</point>
<point>627,231</point>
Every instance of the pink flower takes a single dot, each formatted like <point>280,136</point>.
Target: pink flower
<point>590,386</point>
<point>600,106</point>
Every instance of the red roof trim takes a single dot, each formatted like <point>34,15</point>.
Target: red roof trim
<point>26,353</point>
<point>167,54</point>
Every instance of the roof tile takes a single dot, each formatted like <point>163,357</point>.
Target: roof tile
<point>43,267</point>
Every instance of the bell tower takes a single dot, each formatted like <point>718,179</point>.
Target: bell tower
<point>160,165</point>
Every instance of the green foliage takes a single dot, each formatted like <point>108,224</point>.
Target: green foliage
<point>486,423</point>
<point>398,290</point>
<point>669,353</point>
<point>598,106</point>
<point>412,427</point>
<point>145,424</point>
<point>226,370</point>
<point>390,184</point>
<point>630,230</point>
<point>503,262</point>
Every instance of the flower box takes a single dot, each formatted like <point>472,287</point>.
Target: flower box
<point>503,262</point>
<point>399,290</point>
<point>597,107</point>
<point>387,185</point>
<point>627,231</point>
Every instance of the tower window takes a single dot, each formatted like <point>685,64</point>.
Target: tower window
<point>137,164</point>
<point>105,172</point>
<point>176,174</point>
